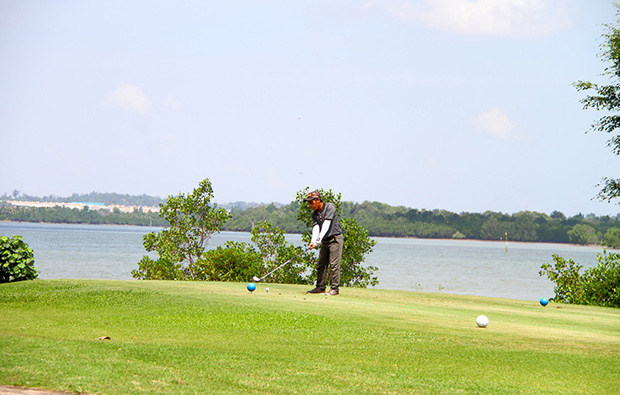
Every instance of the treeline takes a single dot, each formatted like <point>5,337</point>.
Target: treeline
<point>67,215</point>
<point>282,216</point>
<point>93,197</point>
<point>389,221</point>
<point>378,219</point>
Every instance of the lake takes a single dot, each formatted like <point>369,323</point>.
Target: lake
<point>466,267</point>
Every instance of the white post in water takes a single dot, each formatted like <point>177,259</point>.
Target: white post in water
<point>506,234</point>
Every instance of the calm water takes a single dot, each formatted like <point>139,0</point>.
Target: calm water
<point>450,266</point>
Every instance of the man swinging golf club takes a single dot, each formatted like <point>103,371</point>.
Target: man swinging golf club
<point>326,231</point>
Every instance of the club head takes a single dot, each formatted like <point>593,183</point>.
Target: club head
<point>255,279</point>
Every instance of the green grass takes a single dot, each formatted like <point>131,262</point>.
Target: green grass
<point>217,338</point>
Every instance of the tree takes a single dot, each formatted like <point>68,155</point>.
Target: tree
<point>357,242</point>
<point>583,234</point>
<point>607,98</point>
<point>612,238</point>
<point>493,229</point>
<point>193,220</point>
<point>558,215</point>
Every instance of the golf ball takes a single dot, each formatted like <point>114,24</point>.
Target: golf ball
<point>251,287</point>
<point>544,301</point>
<point>482,321</point>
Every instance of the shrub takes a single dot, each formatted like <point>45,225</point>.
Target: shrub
<point>241,261</point>
<point>159,269</point>
<point>598,286</point>
<point>458,235</point>
<point>16,260</point>
<point>275,250</point>
<point>583,234</point>
<point>357,245</point>
<point>602,282</point>
<point>565,275</point>
<point>235,262</point>
<point>612,238</point>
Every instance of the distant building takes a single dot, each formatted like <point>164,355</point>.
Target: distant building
<point>82,205</point>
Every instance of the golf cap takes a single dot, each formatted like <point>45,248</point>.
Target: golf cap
<point>312,196</point>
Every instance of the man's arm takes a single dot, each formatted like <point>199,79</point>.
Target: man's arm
<point>318,236</point>
<point>315,233</point>
<point>324,230</point>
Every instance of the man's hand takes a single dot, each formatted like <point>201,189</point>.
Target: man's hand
<point>312,245</point>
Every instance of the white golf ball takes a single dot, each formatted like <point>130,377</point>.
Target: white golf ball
<point>482,321</point>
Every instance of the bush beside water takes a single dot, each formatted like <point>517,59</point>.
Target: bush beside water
<point>16,260</point>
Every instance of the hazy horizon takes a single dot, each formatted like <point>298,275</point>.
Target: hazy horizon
<point>256,203</point>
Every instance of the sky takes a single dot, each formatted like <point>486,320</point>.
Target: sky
<point>461,105</point>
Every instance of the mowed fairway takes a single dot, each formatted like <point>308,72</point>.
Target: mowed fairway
<point>218,338</point>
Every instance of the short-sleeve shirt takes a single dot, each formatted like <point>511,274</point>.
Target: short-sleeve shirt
<point>328,213</point>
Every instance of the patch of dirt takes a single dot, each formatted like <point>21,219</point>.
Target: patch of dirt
<point>12,390</point>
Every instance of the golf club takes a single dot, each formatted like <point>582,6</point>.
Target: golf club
<point>256,279</point>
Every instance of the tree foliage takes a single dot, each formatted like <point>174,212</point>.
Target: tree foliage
<point>16,260</point>
<point>599,285</point>
<point>607,98</point>
<point>283,216</point>
<point>193,220</point>
<point>583,234</point>
<point>239,261</point>
<point>357,241</point>
<point>183,254</point>
<point>275,250</point>
<point>233,262</point>
<point>379,219</point>
<point>612,238</point>
<point>357,246</point>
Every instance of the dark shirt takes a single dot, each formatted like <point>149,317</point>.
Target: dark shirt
<point>328,213</point>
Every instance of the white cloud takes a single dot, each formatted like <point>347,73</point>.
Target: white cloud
<point>131,98</point>
<point>494,123</point>
<point>525,18</point>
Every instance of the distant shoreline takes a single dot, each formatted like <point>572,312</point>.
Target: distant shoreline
<point>379,237</point>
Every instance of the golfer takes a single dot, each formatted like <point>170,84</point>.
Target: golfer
<point>326,231</point>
